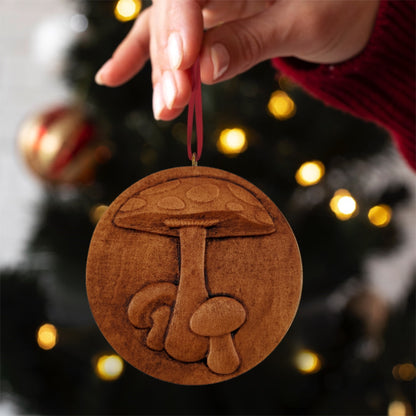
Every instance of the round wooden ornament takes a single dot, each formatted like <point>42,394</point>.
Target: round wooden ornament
<point>194,275</point>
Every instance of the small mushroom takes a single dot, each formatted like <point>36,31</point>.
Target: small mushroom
<point>150,308</point>
<point>156,336</point>
<point>217,318</point>
<point>193,209</point>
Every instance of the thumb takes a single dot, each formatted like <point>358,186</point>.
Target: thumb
<point>235,47</point>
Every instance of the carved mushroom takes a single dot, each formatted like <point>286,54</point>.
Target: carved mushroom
<point>217,318</point>
<point>151,308</point>
<point>193,209</point>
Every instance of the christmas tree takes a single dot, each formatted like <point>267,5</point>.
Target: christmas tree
<point>350,349</point>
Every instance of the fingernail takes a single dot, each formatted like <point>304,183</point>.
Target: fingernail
<point>175,50</point>
<point>101,73</point>
<point>158,102</point>
<point>169,89</point>
<point>220,59</point>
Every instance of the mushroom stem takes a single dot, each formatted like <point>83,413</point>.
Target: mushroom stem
<point>222,356</point>
<point>181,343</point>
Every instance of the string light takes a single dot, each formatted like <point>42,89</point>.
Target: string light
<point>109,367</point>
<point>47,336</point>
<point>343,205</point>
<point>405,372</point>
<point>126,10</point>
<point>281,106</point>
<point>397,408</point>
<point>380,215</point>
<point>308,362</point>
<point>96,212</point>
<point>232,141</point>
<point>79,23</point>
<point>310,173</point>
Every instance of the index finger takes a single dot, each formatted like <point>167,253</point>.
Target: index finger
<point>130,56</point>
<point>176,33</point>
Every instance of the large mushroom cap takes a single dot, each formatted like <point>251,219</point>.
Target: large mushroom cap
<point>218,316</point>
<point>223,208</point>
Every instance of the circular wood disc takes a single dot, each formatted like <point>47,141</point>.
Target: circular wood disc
<point>194,275</point>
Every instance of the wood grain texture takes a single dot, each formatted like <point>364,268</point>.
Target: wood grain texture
<point>193,275</point>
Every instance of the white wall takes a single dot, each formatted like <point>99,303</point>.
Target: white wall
<point>33,35</point>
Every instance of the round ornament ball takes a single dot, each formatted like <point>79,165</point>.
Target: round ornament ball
<point>62,145</point>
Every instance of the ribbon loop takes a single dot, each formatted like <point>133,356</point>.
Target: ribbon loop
<point>195,105</point>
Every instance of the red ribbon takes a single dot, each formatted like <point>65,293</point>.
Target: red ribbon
<point>195,105</point>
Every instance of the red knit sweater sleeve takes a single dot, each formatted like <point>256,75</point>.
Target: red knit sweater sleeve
<point>379,83</point>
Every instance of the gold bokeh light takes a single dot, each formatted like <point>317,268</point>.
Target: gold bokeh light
<point>405,372</point>
<point>343,205</point>
<point>380,215</point>
<point>308,362</point>
<point>96,212</point>
<point>397,408</point>
<point>109,367</point>
<point>47,336</point>
<point>310,173</point>
<point>281,106</point>
<point>126,10</point>
<point>232,141</point>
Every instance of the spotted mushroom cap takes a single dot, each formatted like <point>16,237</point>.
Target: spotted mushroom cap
<point>223,208</point>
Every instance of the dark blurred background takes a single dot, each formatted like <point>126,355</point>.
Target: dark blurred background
<point>348,196</point>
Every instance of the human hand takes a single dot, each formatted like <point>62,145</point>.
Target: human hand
<point>239,34</point>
